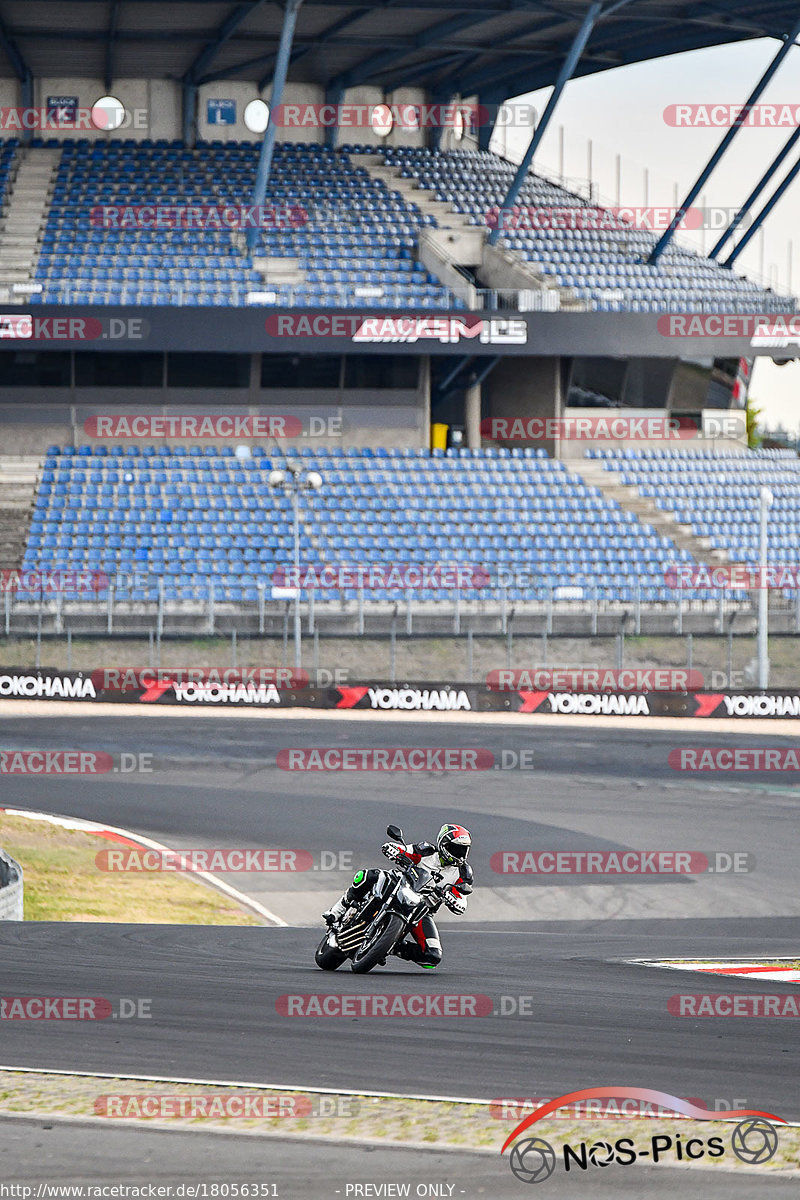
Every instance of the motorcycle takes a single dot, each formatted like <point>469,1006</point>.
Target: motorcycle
<point>371,929</point>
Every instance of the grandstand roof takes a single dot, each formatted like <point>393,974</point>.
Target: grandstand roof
<point>491,47</point>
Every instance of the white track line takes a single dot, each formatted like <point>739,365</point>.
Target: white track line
<point>765,727</point>
<point>98,827</point>
<point>238,1083</point>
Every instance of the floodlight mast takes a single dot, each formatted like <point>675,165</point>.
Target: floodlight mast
<point>294,480</point>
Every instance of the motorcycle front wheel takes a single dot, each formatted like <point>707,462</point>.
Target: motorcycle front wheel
<point>329,957</point>
<point>378,945</point>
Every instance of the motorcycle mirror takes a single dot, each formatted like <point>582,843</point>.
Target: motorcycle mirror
<point>395,832</point>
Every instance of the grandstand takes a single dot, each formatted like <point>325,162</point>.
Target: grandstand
<point>716,495</point>
<point>188,521</point>
<point>363,237</point>
<point>341,234</point>
<point>393,292</point>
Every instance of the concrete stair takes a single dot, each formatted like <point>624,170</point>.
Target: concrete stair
<point>18,479</point>
<point>592,472</point>
<point>446,218</point>
<point>24,218</point>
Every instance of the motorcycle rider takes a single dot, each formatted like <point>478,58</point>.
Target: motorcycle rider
<point>449,858</point>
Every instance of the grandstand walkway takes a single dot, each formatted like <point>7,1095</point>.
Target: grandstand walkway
<point>447,217</point>
<point>18,480</point>
<point>26,214</point>
<point>595,473</point>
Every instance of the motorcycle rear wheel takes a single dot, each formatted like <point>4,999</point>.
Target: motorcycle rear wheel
<point>376,949</point>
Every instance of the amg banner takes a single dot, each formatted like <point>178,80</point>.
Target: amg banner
<point>281,687</point>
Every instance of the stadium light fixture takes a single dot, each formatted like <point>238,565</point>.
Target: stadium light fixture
<point>295,480</point>
<point>256,116</point>
<point>767,500</point>
<point>108,113</point>
<point>381,120</point>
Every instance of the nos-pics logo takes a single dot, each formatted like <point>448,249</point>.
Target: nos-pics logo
<point>754,1140</point>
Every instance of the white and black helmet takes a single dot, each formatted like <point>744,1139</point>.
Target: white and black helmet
<point>453,843</point>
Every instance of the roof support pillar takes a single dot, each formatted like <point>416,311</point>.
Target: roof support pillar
<point>333,98</point>
<point>278,82</point>
<point>564,76</point>
<point>756,192</point>
<point>762,216</point>
<point>715,159</point>
<point>189,114</point>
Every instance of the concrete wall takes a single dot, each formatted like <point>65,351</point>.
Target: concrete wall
<point>154,109</point>
<point>11,889</point>
<point>355,417</point>
<point>153,106</point>
<point>526,388</point>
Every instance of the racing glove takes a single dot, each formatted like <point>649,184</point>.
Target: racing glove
<point>456,904</point>
<point>393,851</point>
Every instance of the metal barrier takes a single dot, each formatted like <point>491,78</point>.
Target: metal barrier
<point>11,889</point>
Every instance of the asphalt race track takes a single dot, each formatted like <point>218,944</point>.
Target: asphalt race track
<point>214,996</point>
<point>555,945</point>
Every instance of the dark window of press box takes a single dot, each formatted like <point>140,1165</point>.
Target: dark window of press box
<point>380,371</point>
<point>118,370</point>
<point>31,368</point>
<point>208,370</point>
<point>295,371</point>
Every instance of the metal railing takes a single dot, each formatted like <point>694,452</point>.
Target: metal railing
<point>366,298</point>
<point>139,601</point>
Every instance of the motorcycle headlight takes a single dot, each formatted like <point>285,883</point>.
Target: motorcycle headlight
<point>408,895</point>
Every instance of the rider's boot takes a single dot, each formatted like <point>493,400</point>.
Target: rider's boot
<point>411,952</point>
<point>407,951</point>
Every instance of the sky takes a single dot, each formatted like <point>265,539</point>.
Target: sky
<point>622,113</point>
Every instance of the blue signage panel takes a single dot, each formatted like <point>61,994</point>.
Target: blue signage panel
<point>62,110</point>
<point>221,112</point>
